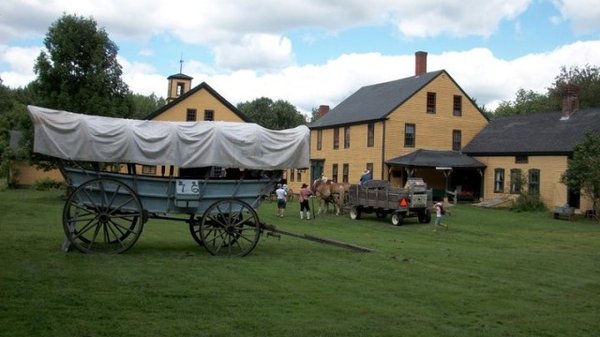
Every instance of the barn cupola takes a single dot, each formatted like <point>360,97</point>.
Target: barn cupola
<point>179,84</point>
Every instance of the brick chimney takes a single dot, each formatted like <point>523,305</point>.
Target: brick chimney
<point>323,109</point>
<point>420,63</point>
<point>570,102</point>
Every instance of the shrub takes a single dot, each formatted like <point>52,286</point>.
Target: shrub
<point>47,184</point>
<point>528,203</point>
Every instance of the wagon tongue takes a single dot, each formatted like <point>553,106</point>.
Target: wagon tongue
<point>273,231</point>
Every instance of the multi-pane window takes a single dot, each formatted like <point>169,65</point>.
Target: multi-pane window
<point>299,175</point>
<point>334,172</point>
<point>456,140</point>
<point>409,135</point>
<point>515,181</point>
<point>370,168</point>
<point>534,182</point>
<point>521,159</point>
<point>346,137</point>
<point>209,115</point>
<point>319,140</point>
<point>371,135</point>
<point>431,102</point>
<point>499,180</point>
<point>345,171</point>
<point>190,115</point>
<point>292,174</point>
<point>457,106</point>
<point>336,138</point>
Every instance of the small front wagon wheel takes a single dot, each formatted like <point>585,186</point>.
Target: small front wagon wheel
<point>103,215</point>
<point>397,218</point>
<point>230,227</point>
<point>355,212</point>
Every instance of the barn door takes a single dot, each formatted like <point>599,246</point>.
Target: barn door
<point>316,169</point>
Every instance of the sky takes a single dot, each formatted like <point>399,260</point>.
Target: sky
<point>319,52</point>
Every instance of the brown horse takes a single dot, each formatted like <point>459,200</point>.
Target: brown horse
<point>328,191</point>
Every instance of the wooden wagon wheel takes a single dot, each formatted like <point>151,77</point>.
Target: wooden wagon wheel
<point>103,215</point>
<point>230,227</point>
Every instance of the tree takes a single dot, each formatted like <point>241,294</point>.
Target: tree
<point>276,115</point>
<point>583,171</point>
<point>526,102</point>
<point>585,79</point>
<point>145,105</point>
<point>78,71</point>
<point>315,114</point>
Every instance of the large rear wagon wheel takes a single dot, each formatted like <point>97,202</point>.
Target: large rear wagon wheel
<point>230,227</point>
<point>103,215</point>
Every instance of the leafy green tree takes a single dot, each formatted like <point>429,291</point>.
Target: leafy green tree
<point>583,171</point>
<point>585,80</point>
<point>78,70</point>
<point>314,115</point>
<point>144,105</point>
<point>525,102</point>
<point>276,115</point>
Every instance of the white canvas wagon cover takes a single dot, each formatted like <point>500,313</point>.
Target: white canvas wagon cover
<point>73,136</point>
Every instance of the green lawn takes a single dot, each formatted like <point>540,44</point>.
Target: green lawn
<point>493,273</point>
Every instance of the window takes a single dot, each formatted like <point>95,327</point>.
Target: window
<point>190,115</point>
<point>456,140</point>
<point>370,168</point>
<point>334,172</point>
<point>431,102</point>
<point>149,170</point>
<point>299,175</point>
<point>409,135</point>
<point>292,177</point>
<point>346,169</point>
<point>209,115</point>
<point>180,88</point>
<point>371,135</point>
<point>336,138</point>
<point>319,140</point>
<point>515,181</point>
<point>534,182</point>
<point>346,137</point>
<point>457,106</point>
<point>521,159</point>
<point>499,181</point>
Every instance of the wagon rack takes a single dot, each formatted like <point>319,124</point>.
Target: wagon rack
<point>106,211</point>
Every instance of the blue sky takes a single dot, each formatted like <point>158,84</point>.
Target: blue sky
<point>311,52</point>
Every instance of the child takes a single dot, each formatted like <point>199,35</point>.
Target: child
<point>439,211</point>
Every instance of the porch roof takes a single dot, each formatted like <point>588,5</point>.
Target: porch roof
<point>435,158</point>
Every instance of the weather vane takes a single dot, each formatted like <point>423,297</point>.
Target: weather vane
<point>181,64</point>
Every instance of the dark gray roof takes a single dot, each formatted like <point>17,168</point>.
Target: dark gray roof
<point>180,76</point>
<point>434,158</point>
<point>374,102</point>
<point>535,134</point>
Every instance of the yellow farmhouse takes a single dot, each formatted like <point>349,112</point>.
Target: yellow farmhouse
<point>415,126</point>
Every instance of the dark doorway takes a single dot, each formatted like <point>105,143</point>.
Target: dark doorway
<point>316,169</point>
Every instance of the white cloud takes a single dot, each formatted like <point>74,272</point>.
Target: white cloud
<point>20,61</point>
<point>584,15</point>
<point>254,51</point>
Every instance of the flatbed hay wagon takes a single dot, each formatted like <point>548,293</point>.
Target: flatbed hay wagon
<point>379,197</point>
<point>106,210</point>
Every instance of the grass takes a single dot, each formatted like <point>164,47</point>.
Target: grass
<point>493,273</point>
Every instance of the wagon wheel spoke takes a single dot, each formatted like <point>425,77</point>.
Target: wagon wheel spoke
<point>229,228</point>
<point>117,214</point>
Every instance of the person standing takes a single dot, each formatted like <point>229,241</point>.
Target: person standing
<point>303,198</point>
<point>281,200</point>
<point>439,211</point>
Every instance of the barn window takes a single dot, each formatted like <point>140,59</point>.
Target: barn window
<point>534,182</point>
<point>334,172</point>
<point>346,137</point>
<point>499,180</point>
<point>319,140</point>
<point>149,170</point>
<point>457,106</point>
<point>456,140</point>
<point>521,159</point>
<point>190,115</point>
<point>431,102</point>
<point>180,88</point>
<point>346,170</point>
<point>409,135</point>
<point>371,135</point>
<point>336,138</point>
<point>209,115</point>
<point>515,181</point>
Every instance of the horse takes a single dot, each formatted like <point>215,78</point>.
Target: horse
<point>329,191</point>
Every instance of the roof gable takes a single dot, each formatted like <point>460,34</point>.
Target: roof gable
<point>540,133</point>
<point>377,101</point>
<point>201,86</point>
